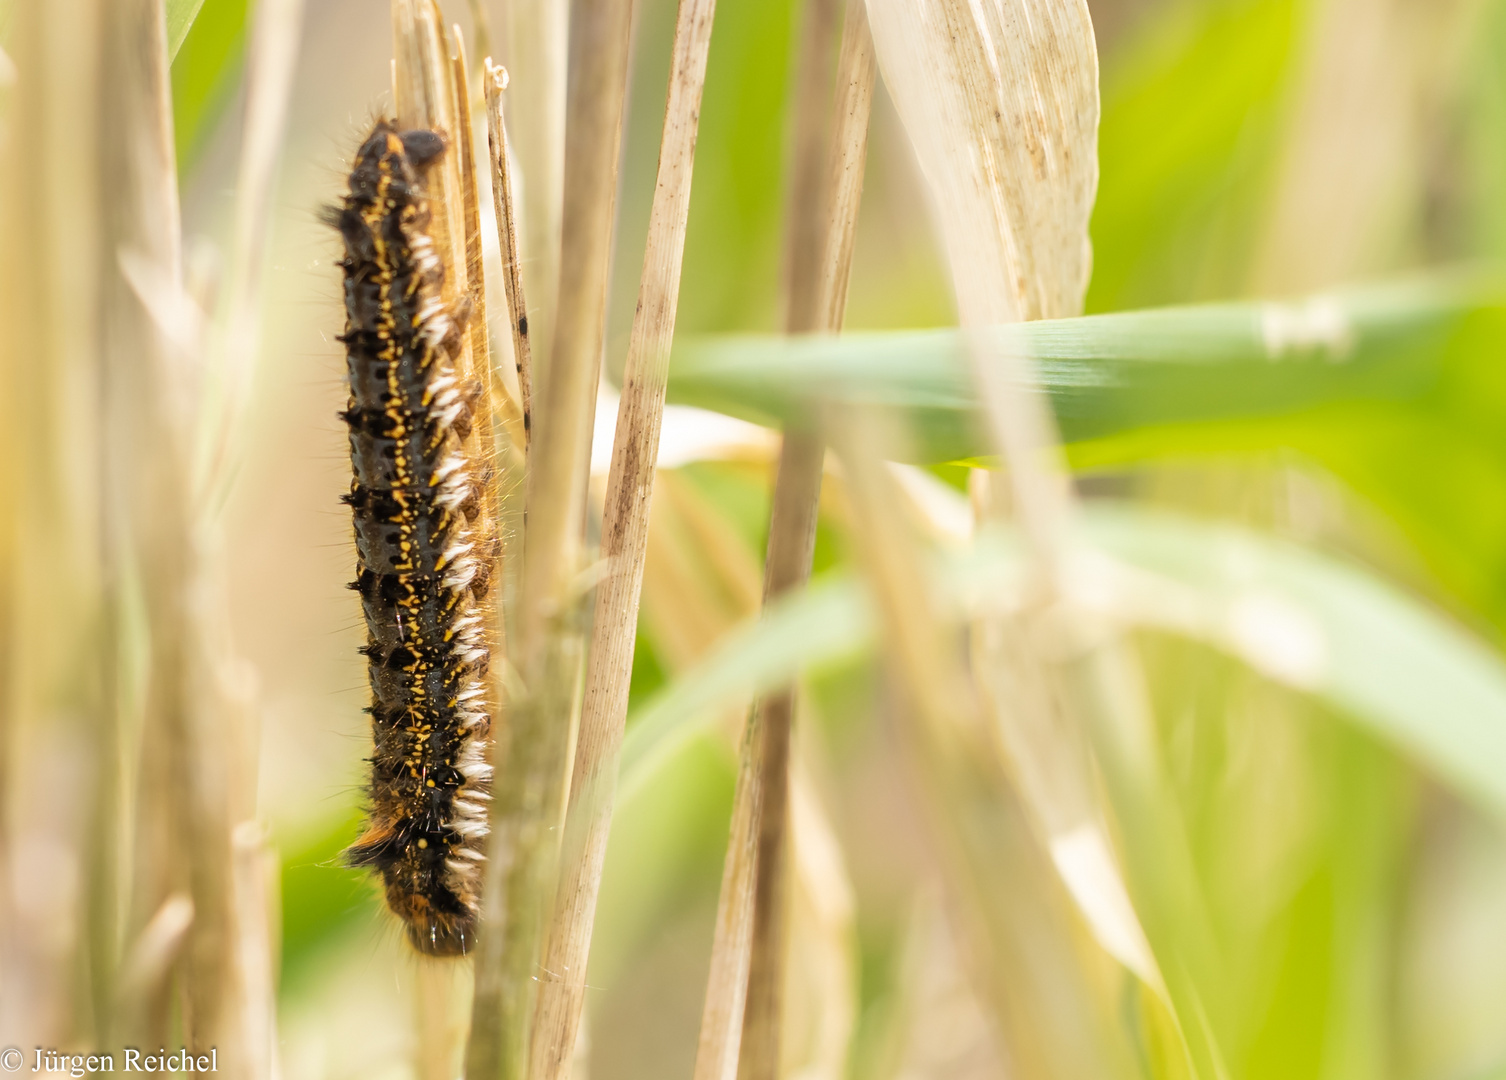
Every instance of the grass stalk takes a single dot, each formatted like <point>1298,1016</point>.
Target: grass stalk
<point>434,999</point>
<point>271,59</point>
<point>503,960</point>
<point>494,82</point>
<point>254,872</point>
<point>54,630</point>
<point>823,225</point>
<point>720,1040</point>
<point>625,527</point>
<point>477,331</point>
<point>511,1010</point>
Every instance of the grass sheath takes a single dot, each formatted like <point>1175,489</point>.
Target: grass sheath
<point>825,197</point>
<point>624,544</point>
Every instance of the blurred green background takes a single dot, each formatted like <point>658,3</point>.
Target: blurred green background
<point>1248,148</point>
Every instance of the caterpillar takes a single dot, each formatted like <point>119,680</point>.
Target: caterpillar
<point>423,542</point>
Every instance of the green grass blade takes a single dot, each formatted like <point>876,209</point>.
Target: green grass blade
<point>1106,374</point>
<point>1385,661</point>
<point>208,44</point>
<point>180,17</point>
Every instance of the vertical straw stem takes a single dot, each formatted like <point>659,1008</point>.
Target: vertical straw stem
<point>624,542</point>
<point>507,239</point>
<point>476,327</point>
<point>144,220</point>
<point>504,947</point>
<point>822,231</point>
<point>507,939</point>
<point>599,35</point>
<point>51,650</point>
<point>727,984</point>
<point>528,794</point>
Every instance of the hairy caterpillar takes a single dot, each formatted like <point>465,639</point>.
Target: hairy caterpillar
<point>423,544</point>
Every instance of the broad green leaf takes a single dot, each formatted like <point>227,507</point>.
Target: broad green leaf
<point>1106,374</point>
<point>1379,658</point>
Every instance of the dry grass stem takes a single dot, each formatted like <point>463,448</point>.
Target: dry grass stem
<point>624,542</point>
<point>720,1040</point>
<point>477,330</point>
<point>435,982</point>
<point>823,224</point>
<point>494,83</point>
<point>227,720</point>
<point>520,1029</point>
<point>820,998</point>
<point>254,870</point>
<point>565,392</point>
<point>792,541</point>
<point>846,162</point>
<point>807,201</point>
<point>1347,172</point>
<point>504,957</point>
